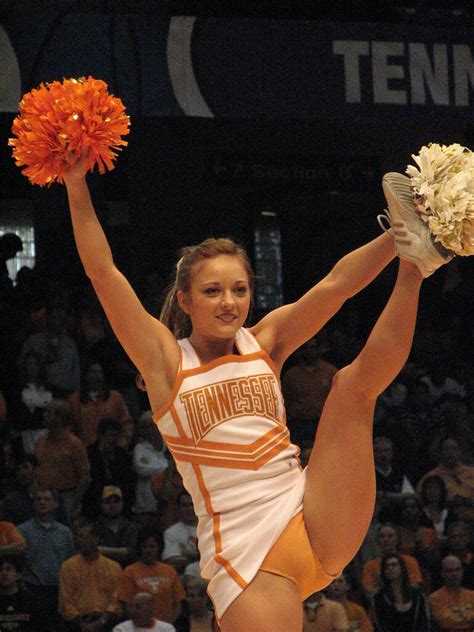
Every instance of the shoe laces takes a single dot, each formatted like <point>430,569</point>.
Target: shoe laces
<point>399,228</point>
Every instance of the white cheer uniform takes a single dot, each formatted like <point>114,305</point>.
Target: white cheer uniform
<point>225,426</point>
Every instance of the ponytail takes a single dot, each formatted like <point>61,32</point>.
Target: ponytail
<point>171,315</point>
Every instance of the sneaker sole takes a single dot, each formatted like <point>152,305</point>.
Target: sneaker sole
<point>401,203</point>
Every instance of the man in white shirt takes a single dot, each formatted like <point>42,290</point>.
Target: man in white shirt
<point>142,620</point>
<point>181,538</point>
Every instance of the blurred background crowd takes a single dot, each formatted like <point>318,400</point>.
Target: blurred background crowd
<point>97,528</point>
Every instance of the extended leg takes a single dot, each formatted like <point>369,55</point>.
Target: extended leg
<point>361,266</point>
<point>340,489</point>
<point>269,604</point>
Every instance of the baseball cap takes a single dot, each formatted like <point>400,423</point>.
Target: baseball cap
<point>111,490</point>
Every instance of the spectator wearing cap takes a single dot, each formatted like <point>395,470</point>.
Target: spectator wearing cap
<point>62,458</point>
<point>88,584</point>
<point>19,611</point>
<point>110,464</point>
<point>48,544</point>
<point>150,575</point>
<point>140,610</point>
<point>117,535</point>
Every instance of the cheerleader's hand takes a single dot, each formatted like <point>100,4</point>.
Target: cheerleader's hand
<point>77,169</point>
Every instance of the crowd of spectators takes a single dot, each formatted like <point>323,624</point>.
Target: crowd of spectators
<point>97,532</point>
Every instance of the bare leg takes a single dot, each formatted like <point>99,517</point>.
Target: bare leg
<point>340,490</point>
<point>361,266</point>
<point>270,603</point>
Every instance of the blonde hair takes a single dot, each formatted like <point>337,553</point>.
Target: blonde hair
<point>177,321</point>
<point>172,315</point>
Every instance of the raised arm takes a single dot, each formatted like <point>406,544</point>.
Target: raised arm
<point>286,328</point>
<point>148,343</point>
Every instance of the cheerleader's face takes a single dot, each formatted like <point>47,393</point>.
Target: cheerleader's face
<point>219,300</point>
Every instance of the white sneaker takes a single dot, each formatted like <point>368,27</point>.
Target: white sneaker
<point>413,240</point>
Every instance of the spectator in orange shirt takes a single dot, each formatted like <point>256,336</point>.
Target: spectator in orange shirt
<point>323,615</point>
<point>452,606</point>
<point>88,584</point>
<point>11,540</point>
<point>388,541</point>
<point>152,576</point>
<point>95,401</point>
<point>338,590</point>
<point>62,458</point>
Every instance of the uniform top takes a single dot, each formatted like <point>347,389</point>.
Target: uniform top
<point>225,426</point>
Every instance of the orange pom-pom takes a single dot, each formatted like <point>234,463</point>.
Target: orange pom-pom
<point>61,121</point>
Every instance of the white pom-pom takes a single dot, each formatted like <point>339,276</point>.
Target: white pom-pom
<point>444,180</point>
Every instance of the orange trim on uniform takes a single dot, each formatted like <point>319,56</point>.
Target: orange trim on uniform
<point>157,415</point>
<point>202,487</point>
<point>248,462</point>
<point>265,356</point>
<point>219,446</point>
<point>232,572</point>
<point>177,421</point>
<point>216,531</point>
<point>251,457</point>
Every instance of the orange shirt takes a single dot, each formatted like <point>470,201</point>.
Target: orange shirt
<point>87,586</point>
<point>9,534</point>
<point>453,611</point>
<point>86,415</point>
<point>359,620</point>
<point>328,616</point>
<point>161,580</point>
<point>63,461</point>
<point>371,572</point>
